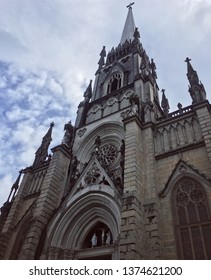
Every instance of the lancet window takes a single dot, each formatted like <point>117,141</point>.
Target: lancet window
<point>193,223</point>
<point>114,83</point>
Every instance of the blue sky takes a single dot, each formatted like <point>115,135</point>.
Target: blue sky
<point>49,52</point>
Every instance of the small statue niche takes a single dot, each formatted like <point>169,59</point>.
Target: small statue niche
<point>100,235</point>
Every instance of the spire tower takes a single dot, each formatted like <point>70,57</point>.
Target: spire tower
<point>129,27</point>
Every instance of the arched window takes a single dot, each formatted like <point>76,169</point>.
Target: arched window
<point>114,83</point>
<point>192,220</point>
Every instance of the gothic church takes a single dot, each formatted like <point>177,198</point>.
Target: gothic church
<point>130,180</point>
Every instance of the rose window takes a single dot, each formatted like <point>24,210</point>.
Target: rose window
<point>107,154</point>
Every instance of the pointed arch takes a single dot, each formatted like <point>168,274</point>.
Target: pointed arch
<point>70,228</point>
<point>115,82</point>
<point>21,233</point>
<point>192,219</point>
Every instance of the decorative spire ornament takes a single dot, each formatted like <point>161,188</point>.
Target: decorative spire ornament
<point>196,88</point>
<point>42,152</point>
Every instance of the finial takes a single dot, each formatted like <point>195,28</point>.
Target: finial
<point>165,103</point>
<point>88,92</point>
<point>129,6</point>
<point>42,153</point>
<point>196,88</point>
<point>102,58</point>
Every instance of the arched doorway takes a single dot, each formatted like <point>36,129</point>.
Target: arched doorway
<point>88,228</point>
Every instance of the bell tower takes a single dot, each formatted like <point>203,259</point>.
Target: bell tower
<point>124,71</point>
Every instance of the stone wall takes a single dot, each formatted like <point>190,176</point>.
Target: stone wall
<point>196,158</point>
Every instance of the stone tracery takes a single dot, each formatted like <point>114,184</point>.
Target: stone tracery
<point>107,154</point>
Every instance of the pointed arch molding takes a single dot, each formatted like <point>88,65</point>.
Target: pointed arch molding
<point>182,169</point>
<point>70,227</point>
<point>111,132</point>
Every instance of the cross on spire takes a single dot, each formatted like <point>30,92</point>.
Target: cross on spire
<point>129,6</point>
<point>187,59</point>
<point>129,27</point>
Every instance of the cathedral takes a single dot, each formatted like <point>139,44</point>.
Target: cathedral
<point>129,181</point>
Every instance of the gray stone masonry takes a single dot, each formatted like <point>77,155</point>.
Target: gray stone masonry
<point>204,117</point>
<point>13,216</point>
<point>132,210</point>
<point>48,201</point>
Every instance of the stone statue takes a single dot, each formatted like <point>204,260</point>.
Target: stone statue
<point>98,141</point>
<point>108,238</point>
<point>179,106</point>
<point>97,144</point>
<point>68,136</point>
<point>94,240</point>
<point>103,236</point>
<point>136,36</point>
<point>134,105</point>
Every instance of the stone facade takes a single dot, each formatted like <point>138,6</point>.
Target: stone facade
<point>129,181</point>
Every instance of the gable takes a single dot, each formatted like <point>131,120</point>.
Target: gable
<point>182,169</point>
<point>93,174</point>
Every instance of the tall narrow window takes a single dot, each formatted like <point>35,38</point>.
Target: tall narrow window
<point>115,83</point>
<point>193,223</point>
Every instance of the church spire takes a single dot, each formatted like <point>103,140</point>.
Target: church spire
<point>196,88</point>
<point>129,27</point>
<point>42,152</point>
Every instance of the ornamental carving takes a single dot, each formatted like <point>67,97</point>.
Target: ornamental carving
<point>92,176</point>
<point>81,132</point>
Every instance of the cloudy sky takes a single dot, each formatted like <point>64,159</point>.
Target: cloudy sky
<point>49,51</point>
